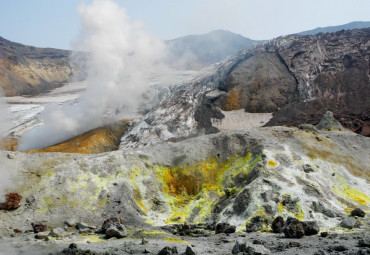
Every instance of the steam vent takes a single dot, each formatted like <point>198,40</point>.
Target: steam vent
<point>262,149</point>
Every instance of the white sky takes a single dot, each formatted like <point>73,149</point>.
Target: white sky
<point>55,23</point>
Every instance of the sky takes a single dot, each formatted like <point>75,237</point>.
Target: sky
<point>55,23</point>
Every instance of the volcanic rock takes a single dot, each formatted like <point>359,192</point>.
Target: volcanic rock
<point>358,212</point>
<point>189,251</point>
<point>329,123</point>
<point>116,230</point>
<point>278,224</point>
<point>168,251</point>
<point>349,222</point>
<point>12,202</point>
<point>225,227</point>
<point>38,227</point>
<point>58,232</point>
<point>310,228</point>
<point>293,228</point>
<point>249,248</point>
<point>84,226</point>
<point>112,227</point>
<point>324,234</point>
<point>256,223</point>
<point>364,242</point>
<point>327,78</point>
<point>42,236</point>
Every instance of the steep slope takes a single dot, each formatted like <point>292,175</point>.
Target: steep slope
<point>98,140</point>
<point>331,29</point>
<point>332,71</point>
<point>201,50</point>
<point>27,70</point>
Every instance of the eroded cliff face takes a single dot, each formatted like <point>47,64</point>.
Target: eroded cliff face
<point>300,77</point>
<point>333,73</point>
<point>27,70</point>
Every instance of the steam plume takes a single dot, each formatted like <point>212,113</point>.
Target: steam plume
<point>6,180</point>
<point>121,57</point>
<point>5,122</point>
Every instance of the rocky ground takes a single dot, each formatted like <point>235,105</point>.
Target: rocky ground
<point>307,173</point>
<point>152,242</point>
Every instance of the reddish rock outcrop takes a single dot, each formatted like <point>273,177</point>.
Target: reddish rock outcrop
<point>12,202</point>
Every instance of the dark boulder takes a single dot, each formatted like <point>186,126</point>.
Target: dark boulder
<point>189,251</point>
<point>310,228</point>
<point>358,212</point>
<point>364,242</point>
<point>225,227</point>
<point>293,228</point>
<point>257,223</point>
<point>38,227</point>
<point>168,251</point>
<point>116,230</point>
<point>278,224</point>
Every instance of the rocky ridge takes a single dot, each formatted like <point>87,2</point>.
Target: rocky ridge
<point>297,78</point>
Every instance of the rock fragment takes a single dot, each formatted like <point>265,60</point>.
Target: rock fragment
<point>42,236</point>
<point>358,212</point>
<point>225,227</point>
<point>324,234</point>
<point>38,227</point>
<point>310,228</point>
<point>58,232</point>
<point>364,242</point>
<point>329,123</point>
<point>249,248</point>
<point>12,202</point>
<point>293,228</point>
<point>116,230</point>
<point>168,251</point>
<point>189,251</point>
<point>348,222</point>
<point>256,224</point>
<point>278,224</point>
<point>112,227</point>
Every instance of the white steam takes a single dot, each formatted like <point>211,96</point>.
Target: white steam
<point>5,122</point>
<point>121,58</point>
<point>6,180</point>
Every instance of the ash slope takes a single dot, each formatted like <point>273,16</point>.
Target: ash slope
<point>229,176</point>
<point>27,70</point>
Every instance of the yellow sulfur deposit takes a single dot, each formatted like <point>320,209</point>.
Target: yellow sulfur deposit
<point>196,188</point>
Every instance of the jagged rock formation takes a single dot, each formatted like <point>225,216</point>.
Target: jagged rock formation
<point>332,71</point>
<point>27,70</point>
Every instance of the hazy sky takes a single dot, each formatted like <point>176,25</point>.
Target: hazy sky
<point>55,23</point>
